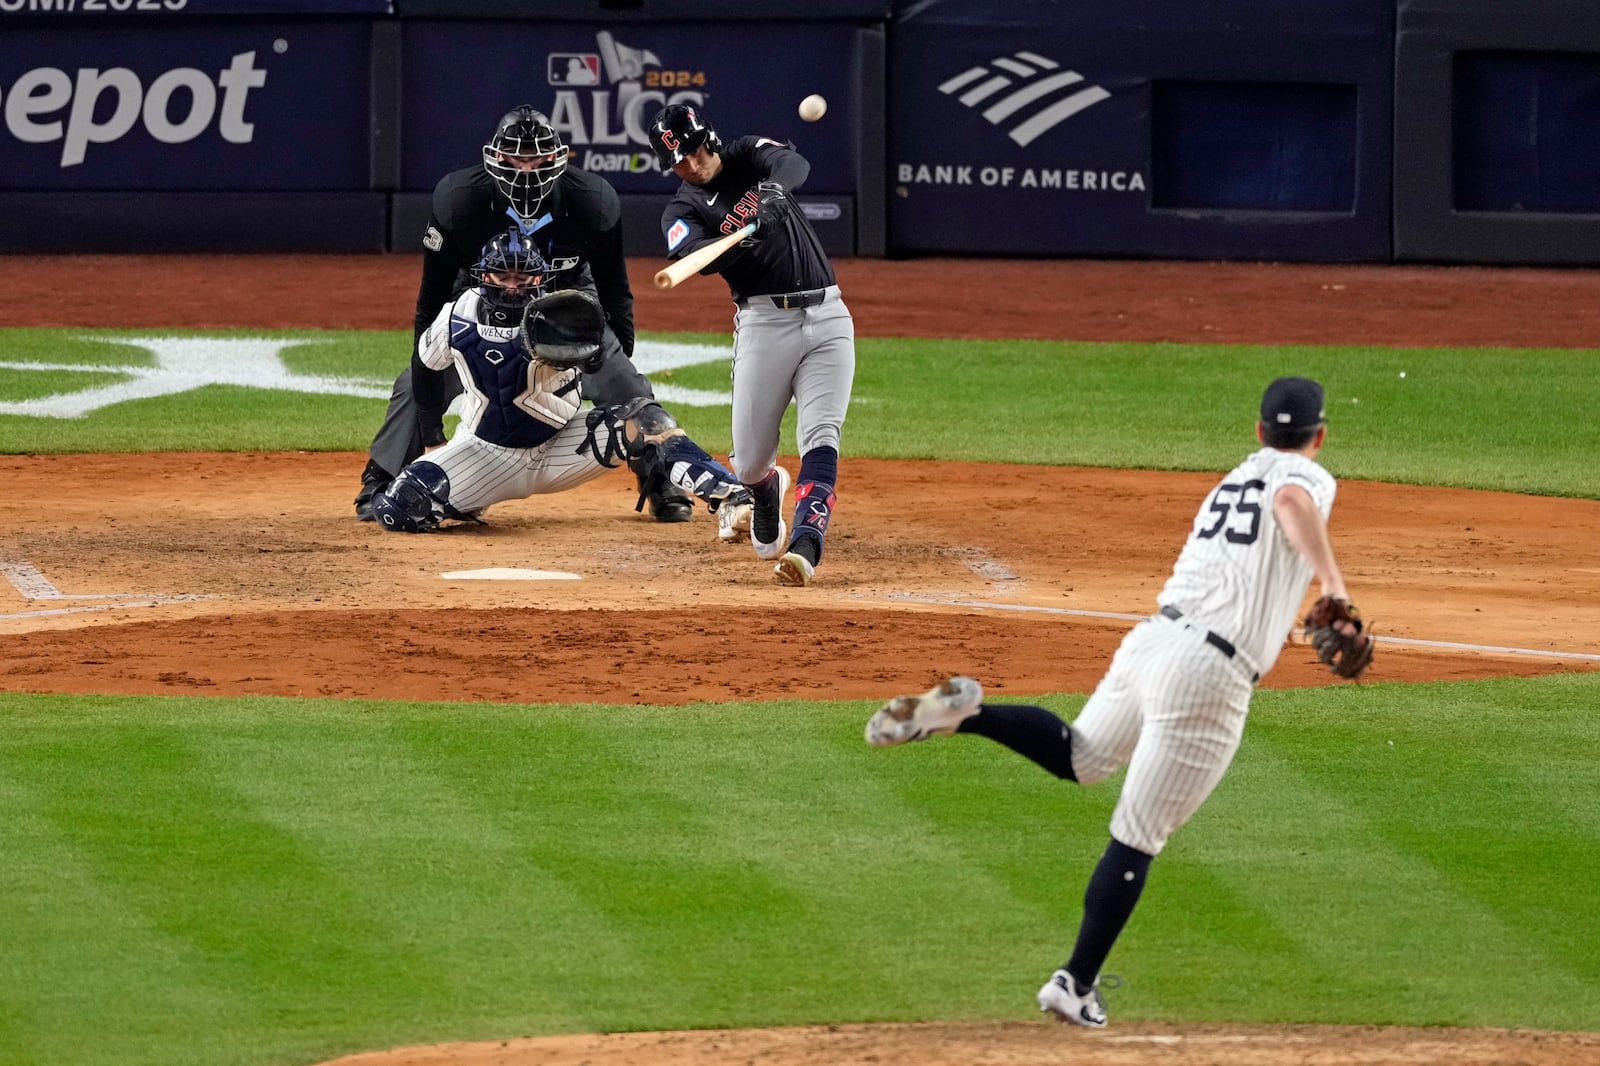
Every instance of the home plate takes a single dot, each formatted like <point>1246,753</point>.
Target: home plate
<point>510,573</point>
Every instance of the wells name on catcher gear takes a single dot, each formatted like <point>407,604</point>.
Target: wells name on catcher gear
<point>518,352</point>
<point>1172,705</point>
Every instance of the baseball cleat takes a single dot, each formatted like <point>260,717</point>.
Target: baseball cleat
<point>763,517</point>
<point>733,520</point>
<point>937,712</point>
<point>1060,997</point>
<point>794,570</point>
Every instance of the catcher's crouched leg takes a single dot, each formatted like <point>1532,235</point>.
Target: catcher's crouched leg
<point>415,501</point>
<point>661,454</point>
<point>638,422</point>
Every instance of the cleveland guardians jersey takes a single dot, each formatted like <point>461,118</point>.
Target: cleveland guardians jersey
<point>771,262</point>
<point>1238,575</point>
<point>509,399</point>
<point>579,233</point>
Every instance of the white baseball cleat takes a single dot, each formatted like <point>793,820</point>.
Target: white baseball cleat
<point>774,548</point>
<point>1060,997</point>
<point>733,521</point>
<point>937,712</point>
<point>793,570</point>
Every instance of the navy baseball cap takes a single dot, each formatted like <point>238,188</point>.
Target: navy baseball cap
<point>1293,403</point>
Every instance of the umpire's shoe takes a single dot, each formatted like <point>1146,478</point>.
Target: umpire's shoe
<point>668,503</point>
<point>1060,996</point>
<point>374,479</point>
<point>937,712</point>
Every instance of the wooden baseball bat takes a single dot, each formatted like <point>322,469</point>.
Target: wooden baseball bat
<point>697,260</point>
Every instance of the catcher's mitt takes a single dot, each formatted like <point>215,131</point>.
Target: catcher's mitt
<point>564,329</point>
<point>1346,654</point>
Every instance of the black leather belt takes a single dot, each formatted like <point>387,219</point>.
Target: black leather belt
<point>796,301</point>
<point>1222,644</point>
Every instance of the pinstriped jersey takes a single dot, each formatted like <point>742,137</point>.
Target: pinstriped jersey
<point>510,400</point>
<point>1238,575</point>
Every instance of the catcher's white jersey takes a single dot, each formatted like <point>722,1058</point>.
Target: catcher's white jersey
<point>1238,575</point>
<point>1172,706</point>
<point>510,400</point>
<point>520,433</point>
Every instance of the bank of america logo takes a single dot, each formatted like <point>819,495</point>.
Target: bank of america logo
<point>1035,105</point>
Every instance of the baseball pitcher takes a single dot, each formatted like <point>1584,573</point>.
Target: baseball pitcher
<point>1172,706</point>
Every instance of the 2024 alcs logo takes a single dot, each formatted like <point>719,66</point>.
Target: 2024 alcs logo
<point>641,89</point>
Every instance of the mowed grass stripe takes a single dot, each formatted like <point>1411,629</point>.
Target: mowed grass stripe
<point>266,931</point>
<point>714,868</point>
<point>458,913</point>
<point>317,876</point>
<point>86,975</point>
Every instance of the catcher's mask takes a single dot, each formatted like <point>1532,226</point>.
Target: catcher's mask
<point>525,156</point>
<point>565,328</point>
<point>677,131</point>
<point>510,274</point>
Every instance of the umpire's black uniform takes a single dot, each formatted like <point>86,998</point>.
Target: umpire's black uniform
<point>579,233</point>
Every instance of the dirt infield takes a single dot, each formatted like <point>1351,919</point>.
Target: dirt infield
<point>233,574</point>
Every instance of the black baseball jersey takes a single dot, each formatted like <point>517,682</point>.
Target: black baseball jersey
<point>786,259</point>
<point>579,233</point>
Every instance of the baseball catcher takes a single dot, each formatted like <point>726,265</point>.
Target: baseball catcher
<point>1334,627</point>
<point>519,352</point>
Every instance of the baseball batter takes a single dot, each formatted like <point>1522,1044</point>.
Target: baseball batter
<point>575,220</point>
<point>521,433</point>
<point>793,337</point>
<point>1172,706</point>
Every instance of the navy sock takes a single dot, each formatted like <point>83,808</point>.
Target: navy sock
<point>813,502</point>
<point>1108,901</point>
<point>1030,731</point>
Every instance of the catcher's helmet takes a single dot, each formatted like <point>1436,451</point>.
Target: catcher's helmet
<point>510,273</point>
<point>525,156</point>
<point>677,131</point>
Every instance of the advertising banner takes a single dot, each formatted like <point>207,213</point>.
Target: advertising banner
<point>601,87</point>
<point>1149,128</point>
<point>262,106</point>
<point>88,10</point>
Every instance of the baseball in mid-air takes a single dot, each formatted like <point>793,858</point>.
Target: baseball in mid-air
<point>813,107</point>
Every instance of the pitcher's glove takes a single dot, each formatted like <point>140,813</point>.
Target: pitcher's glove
<point>1346,654</point>
<point>564,329</point>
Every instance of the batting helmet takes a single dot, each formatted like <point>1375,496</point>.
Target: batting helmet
<point>677,131</point>
<point>525,156</point>
<point>510,273</point>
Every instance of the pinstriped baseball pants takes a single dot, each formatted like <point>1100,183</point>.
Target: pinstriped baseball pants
<point>481,473</point>
<point>1172,709</point>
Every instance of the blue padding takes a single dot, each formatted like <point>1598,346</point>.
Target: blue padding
<point>1526,130</point>
<point>1268,147</point>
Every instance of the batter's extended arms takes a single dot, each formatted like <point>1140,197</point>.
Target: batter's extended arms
<point>697,260</point>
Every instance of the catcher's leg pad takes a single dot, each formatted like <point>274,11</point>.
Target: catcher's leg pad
<point>644,435</point>
<point>415,501</point>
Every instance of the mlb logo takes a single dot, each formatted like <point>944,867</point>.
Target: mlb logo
<point>573,68</point>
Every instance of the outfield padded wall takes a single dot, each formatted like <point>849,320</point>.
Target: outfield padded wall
<point>1496,126</point>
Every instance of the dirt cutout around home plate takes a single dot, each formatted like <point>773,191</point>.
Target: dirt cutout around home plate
<point>231,574</point>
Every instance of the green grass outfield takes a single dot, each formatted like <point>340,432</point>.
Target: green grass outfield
<point>1510,419</point>
<point>269,881</point>
<point>188,882</point>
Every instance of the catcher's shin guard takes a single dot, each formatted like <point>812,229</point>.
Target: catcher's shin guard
<point>415,501</point>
